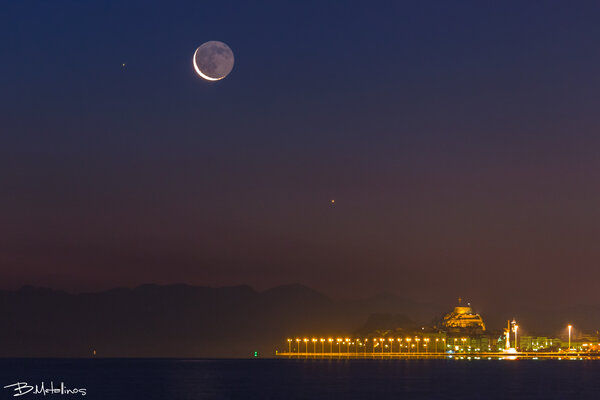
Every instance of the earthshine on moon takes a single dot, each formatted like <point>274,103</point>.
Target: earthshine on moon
<point>213,60</point>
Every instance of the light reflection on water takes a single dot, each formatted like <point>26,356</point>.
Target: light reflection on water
<point>150,379</point>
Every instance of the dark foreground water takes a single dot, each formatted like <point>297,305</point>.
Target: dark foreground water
<point>305,379</point>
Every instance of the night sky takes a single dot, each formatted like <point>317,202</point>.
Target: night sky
<point>460,141</point>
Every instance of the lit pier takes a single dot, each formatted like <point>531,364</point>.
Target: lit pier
<point>414,348</point>
<point>462,335</point>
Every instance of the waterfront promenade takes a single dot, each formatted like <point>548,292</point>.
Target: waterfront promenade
<point>573,355</point>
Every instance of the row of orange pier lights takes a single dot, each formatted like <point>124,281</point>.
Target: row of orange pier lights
<point>377,342</point>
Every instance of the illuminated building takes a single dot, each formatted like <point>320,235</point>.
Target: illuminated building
<point>463,320</point>
<point>540,343</point>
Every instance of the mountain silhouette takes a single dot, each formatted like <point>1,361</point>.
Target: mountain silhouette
<point>196,321</point>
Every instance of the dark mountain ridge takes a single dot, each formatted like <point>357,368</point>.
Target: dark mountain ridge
<point>195,321</point>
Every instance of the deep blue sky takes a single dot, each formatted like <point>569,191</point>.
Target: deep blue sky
<point>459,140</point>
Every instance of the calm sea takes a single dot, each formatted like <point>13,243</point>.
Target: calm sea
<point>146,379</point>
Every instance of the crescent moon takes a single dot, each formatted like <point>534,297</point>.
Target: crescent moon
<point>200,72</point>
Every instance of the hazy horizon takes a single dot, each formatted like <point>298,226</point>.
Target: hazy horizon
<point>459,142</point>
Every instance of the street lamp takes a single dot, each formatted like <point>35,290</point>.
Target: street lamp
<point>330,340</point>
<point>436,344</point>
<point>322,346</point>
<point>298,345</point>
<point>289,345</point>
<point>399,345</point>
<point>391,344</point>
<point>408,344</point>
<point>426,343</point>
<point>570,328</point>
<point>314,345</point>
<point>306,344</point>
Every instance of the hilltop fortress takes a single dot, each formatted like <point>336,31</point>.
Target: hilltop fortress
<point>463,320</point>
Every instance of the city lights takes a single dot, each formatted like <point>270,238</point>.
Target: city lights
<point>510,343</point>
